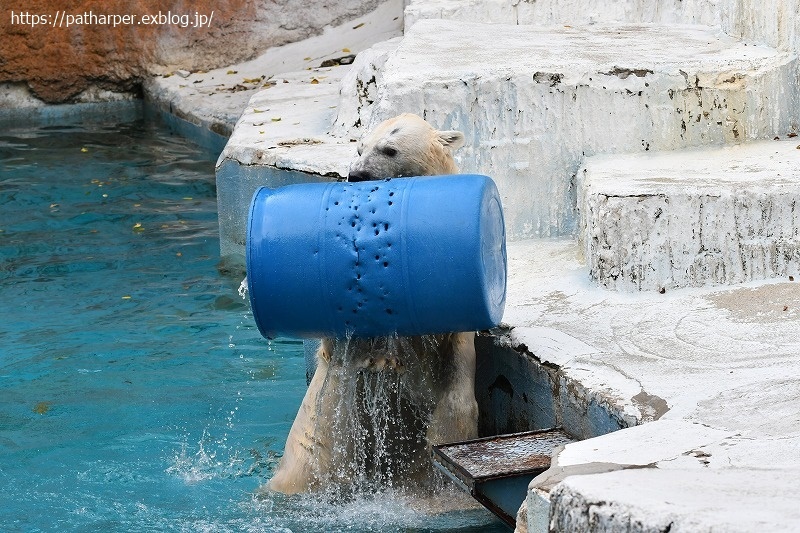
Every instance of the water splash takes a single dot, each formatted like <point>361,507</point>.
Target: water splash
<point>208,461</point>
<point>373,412</point>
<point>448,510</point>
<point>217,458</point>
<point>243,289</point>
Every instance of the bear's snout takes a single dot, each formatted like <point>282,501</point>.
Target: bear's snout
<point>359,175</point>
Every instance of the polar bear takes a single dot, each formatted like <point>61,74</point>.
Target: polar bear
<point>374,406</point>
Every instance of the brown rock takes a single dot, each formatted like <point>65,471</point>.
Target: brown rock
<point>75,46</point>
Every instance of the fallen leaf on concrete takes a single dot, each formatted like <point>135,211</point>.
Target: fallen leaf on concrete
<point>296,142</point>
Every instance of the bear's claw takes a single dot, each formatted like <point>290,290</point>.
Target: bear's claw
<point>379,364</point>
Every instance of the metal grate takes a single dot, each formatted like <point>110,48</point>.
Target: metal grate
<point>496,470</point>
<point>506,454</point>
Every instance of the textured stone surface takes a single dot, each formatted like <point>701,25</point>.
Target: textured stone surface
<point>652,500</point>
<point>59,64</point>
<point>557,12</point>
<point>691,218</point>
<point>770,22</point>
<point>359,89</point>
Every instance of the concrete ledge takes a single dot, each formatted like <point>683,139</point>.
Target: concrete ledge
<point>65,114</point>
<point>517,92</point>
<point>685,219</point>
<point>556,12</point>
<point>288,125</point>
<point>524,389</point>
<point>652,500</point>
<point>651,446</point>
<point>770,22</point>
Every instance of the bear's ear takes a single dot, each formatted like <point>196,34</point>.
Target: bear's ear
<point>451,139</point>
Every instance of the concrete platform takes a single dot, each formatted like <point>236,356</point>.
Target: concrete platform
<point>691,218</point>
<point>719,367</point>
<point>534,101</point>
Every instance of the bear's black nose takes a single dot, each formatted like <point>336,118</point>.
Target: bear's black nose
<point>359,175</point>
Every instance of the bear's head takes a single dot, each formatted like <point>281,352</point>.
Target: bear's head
<point>405,145</point>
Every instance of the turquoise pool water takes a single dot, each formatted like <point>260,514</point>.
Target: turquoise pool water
<point>135,391</point>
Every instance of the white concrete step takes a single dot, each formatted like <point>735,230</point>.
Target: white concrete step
<point>552,12</point>
<point>534,101</point>
<point>771,22</point>
<point>690,218</point>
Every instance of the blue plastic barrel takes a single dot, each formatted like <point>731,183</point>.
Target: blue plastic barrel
<point>406,256</point>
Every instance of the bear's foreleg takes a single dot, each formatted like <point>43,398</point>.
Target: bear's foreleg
<point>455,416</point>
<point>308,447</point>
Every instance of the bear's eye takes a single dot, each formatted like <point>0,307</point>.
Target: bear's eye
<point>389,151</point>
<point>360,149</point>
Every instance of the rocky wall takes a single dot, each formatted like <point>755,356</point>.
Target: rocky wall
<point>54,51</point>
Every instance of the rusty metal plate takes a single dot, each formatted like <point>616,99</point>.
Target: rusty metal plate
<point>505,455</point>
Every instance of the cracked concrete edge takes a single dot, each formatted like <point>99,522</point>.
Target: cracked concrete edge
<point>585,382</point>
<point>658,500</point>
<point>651,446</point>
<point>536,519</point>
